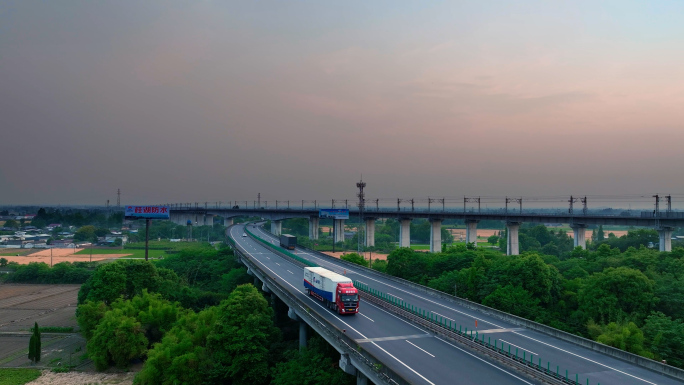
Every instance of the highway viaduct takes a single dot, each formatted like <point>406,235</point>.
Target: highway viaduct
<point>664,222</point>
<point>406,333</point>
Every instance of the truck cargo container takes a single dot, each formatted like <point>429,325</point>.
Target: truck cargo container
<point>336,291</point>
<point>288,241</point>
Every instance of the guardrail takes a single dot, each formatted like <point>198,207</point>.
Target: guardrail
<point>327,330</point>
<point>644,362</point>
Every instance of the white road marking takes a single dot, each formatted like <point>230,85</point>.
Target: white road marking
<point>397,297</point>
<point>486,362</point>
<point>489,331</point>
<point>531,352</point>
<point>444,316</point>
<point>423,350</point>
<point>365,316</point>
<point>277,264</point>
<point>378,339</point>
<point>290,272</point>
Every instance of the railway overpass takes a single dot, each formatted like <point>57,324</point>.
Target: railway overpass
<point>664,222</point>
<point>407,334</point>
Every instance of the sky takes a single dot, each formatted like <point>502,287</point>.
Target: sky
<point>194,101</point>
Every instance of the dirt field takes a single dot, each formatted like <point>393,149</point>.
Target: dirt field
<point>460,234</point>
<point>49,305</point>
<point>60,255</point>
<point>49,378</point>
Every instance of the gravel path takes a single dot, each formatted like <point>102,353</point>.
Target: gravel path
<point>75,378</point>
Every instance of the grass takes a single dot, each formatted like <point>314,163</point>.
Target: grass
<point>54,329</point>
<point>17,376</point>
<point>134,253</point>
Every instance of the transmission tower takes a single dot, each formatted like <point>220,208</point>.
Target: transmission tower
<point>362,203</point>
<point>118,198</point>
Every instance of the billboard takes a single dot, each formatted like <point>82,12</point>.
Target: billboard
<point>334,213</point>
<point>147,212</point>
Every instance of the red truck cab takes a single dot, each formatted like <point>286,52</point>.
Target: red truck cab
<point>347,300</point>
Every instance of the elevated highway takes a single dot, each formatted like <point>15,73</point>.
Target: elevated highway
<point>421,356</point>
<point>665,222</point>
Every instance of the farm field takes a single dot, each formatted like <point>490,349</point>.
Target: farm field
<point>118,253</point>
<point>49,305</point>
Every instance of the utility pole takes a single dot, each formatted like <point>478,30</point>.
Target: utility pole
<point>572,200</point>
<point>259,200</point>
<point>584,205</point>
<point>118,198</point>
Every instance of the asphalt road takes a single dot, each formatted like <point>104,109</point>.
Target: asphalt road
<point>597,367</point>
<point>409,350</point>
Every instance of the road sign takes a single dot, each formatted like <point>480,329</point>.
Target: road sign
<point>147,212</point>
<point>334,213</point>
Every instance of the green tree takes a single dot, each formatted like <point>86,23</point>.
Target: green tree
<point>493,239</point>
<point>3,262</point>
<point>35,345</point>
<point>117,339</point>
<point>309,367</point>
<point>665,338</point>
<point>626,336</point>
<point>85,233</point>
<point>89,315</point>
<point>240,341</point>
<point>600,235</point>
<point>617,292</point>
<point>12,224</point>
<point>514,300</point>
<point>182,356</point>
<point>355,258</point>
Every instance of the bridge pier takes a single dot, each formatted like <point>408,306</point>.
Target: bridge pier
<point>277,227</point>
<point>302,328</point>
<point>580,234</point>
<point>361,378</point>
<point>339,230</point>
<point>512,241</point>
<point>471,231</point>
<point>405,232</point>
<point>370,232</point>
<point>435,235</point>
<point>313,228</point>
<point>665,239</point>
<point>227,221</point>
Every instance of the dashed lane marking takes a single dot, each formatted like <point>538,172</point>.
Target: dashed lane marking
<point>423,350</point>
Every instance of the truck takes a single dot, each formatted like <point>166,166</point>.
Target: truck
<point>288,241</point>
<point>336,291</point>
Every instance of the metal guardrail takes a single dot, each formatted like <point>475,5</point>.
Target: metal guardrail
<point>327,330</point>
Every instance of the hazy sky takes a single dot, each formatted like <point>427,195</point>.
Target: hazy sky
<point>183,101</point>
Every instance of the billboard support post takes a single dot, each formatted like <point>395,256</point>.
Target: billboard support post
<point>147,236</point>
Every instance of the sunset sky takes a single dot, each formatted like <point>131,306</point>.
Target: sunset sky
<point>184,101</point>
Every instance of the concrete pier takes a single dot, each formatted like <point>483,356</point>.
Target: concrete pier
<point>512,247</point>
<point>277,227</point>
<point>370,232</point>
<point>339,230</point>
<point>227,222</point>
<point>435,235</point>
<point>302,335</point>
<point>471,231</point>
<point>313,228</point>
<point>665,239</point>
<point>580,234</point>
<point>405,232</point>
